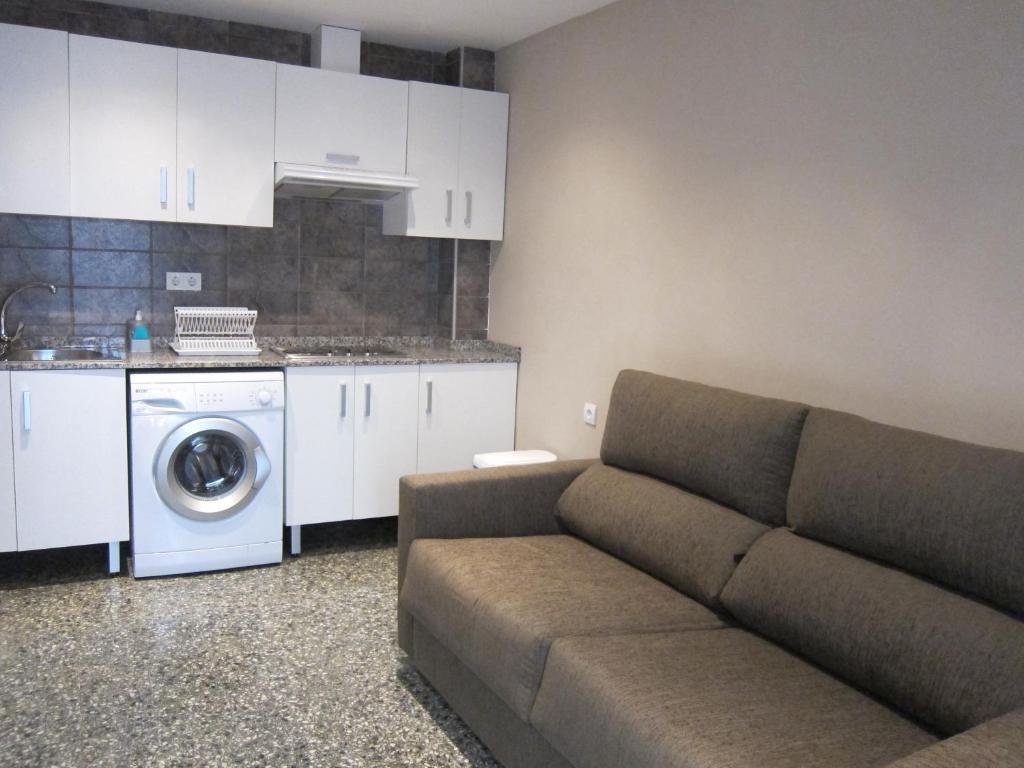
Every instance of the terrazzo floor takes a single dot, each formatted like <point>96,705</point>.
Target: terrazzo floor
<point>291,665</point>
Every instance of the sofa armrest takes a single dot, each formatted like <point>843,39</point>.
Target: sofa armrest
<point>478,503</point>
<point>998,742</point>
<point>481,503</point>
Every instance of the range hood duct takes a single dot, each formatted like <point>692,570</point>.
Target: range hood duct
<point>337,49</point>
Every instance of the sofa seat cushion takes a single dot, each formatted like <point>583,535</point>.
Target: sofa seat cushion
<point>498,603</point>
<point>683,539</point>
<point>708,700</point>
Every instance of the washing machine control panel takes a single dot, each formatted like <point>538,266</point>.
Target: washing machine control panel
<point>239,396</point>
<point>166,397</point>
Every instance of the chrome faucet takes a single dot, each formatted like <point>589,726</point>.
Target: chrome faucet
<point>5,340</point>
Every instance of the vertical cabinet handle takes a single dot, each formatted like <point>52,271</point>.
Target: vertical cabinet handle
<point>26,411</point>
<point>448,208</point>
<point>163,185</point>
<point>430,396</point>
<point>367,412</point>
<point>192,188</point>
<point>469,208</point>
<point>344,400</point>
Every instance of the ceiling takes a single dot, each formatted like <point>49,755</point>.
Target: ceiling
<point>437,25</point>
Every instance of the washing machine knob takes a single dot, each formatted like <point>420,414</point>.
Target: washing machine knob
<point>264,397</point>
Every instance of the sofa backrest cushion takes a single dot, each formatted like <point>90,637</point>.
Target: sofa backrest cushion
<point>948,510</point>
<point>685,540</point>
<point>733,448</point>
<point>948,660</point>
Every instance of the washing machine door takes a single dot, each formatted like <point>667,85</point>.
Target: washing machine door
<point>210,468</point>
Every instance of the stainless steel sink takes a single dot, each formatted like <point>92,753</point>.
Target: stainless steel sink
<point>59,354</point>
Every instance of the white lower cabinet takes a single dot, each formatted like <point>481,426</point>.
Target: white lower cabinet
<point>70,446</point>
<point>353,431</point>
<point>320,418</point>
<point>385,445</point>
<point>465,410</point>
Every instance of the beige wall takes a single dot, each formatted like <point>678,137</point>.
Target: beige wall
<point>819,200</point>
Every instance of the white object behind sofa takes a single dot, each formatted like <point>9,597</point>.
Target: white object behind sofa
<point>512,458</point>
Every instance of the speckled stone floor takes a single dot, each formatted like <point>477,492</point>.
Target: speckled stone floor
<point>291,665</point>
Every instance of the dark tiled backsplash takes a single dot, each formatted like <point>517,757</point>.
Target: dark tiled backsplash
<point>323,269</point>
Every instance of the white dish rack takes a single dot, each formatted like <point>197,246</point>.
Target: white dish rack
<point>215,331</point>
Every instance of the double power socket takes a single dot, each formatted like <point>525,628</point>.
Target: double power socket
<point>184,281</point>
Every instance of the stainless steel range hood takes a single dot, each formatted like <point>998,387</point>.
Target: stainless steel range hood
<point>327,182</point>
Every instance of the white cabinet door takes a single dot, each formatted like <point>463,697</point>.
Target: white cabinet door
<point>8,524</point>
<point>458,140</point>
<point>318,445</point>
<point>34,164</point>
<point>341,119</point>
<point>433,158</point>
<point>483,147</point>
<point>123,118</point>
<point>225,140</point>
<point>70,457</point>
<point>385,436</point>
<point>465,409</point>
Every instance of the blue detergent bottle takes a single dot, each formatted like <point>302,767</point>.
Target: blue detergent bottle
<point>138,336</point>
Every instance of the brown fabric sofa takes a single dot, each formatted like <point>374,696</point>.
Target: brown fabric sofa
<point>739,582</point>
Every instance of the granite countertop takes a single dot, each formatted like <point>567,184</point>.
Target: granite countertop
<point>413,350</point>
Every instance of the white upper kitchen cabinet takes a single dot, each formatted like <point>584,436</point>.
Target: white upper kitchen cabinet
<point>385,442</point>
<point>338,118</point>
<point>8,521</point>
<point>34,165</point>
<point>483,147</point>
<point>465,409</point>
<point>123,129</point>
<point>225,158</point>
<point>70,457</point>
<point>319,443</point>
<point>433,158</point>
<point>458,141</point>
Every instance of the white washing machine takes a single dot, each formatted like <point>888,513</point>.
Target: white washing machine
<point>207,470</point>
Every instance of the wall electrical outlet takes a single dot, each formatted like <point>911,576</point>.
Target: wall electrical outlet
<point>590,414</point>
<point>184,281</point>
